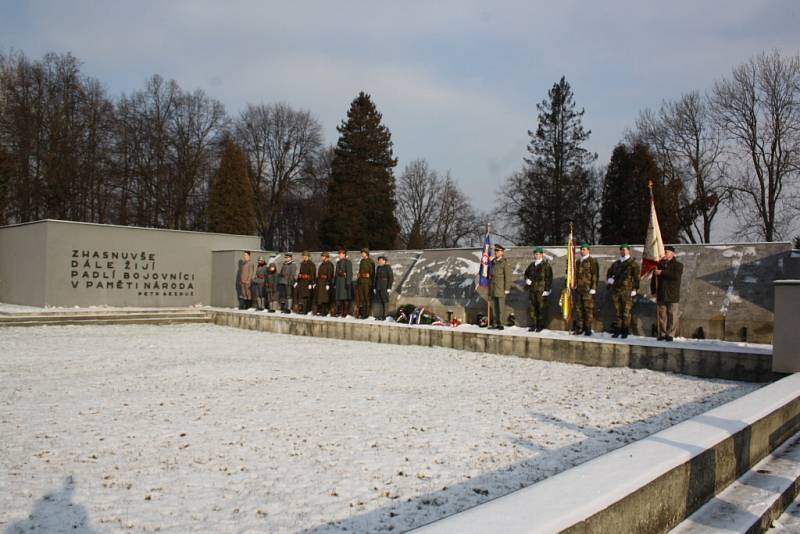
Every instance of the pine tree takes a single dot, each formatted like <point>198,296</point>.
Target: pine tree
<point>230,202</point>
<point>361,194</point>
<point>625,211</point>
<point>558,186</point>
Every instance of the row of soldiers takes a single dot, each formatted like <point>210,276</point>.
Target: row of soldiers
<point>622,282</point>
<point>324,289</point>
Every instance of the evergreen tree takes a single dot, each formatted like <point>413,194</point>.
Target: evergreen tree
<point>625,212</point>
<point>230,202</point>
<point>558,187</point>
<point>361,194</point>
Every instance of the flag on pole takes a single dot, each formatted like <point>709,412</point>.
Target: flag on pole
<point>485,271</point>
<point>653,244</point>
<point>569,279</point>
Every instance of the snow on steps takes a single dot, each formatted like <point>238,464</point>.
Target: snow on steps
<point>755,500</point>
<point>105,317</point>
<point>651,485</point>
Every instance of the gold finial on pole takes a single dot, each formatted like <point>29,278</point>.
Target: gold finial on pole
<point>650,186</point>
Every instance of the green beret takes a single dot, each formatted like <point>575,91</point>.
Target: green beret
<point>539,250</point>
<point>624,245</point>
<point>586,245</point>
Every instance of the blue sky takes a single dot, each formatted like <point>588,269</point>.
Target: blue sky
<point>457,81</point>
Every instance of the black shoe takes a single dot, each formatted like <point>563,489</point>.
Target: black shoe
<point>532,329</point>
<point>667,338</point>
<point>587,332</point>
<point>577,332</point>
<point>662,338</point>
<point>624,334</point>
<point>498,327</point>
<point>539,328</point>
<point>615,334</point>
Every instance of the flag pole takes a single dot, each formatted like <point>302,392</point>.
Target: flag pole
<point>489,289</point>
<point>653,202</point>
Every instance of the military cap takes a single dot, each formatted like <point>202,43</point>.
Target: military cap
<point>262,258</point>
<point>288,255</point>
<point>624,245</point>
<point>499,247</point>
<point>365,250</point>
<point>247,252</point>
<point>539,250</point>
<point>325,255</point>
<point>306,253</point>
<point>586,245</point>
<point>670,248</point>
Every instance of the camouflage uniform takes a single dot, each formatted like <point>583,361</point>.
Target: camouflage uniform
<point>364,286</point>
<point>541,277</point>
<point>626,279</point>
<point>498,285</point>
<point>587,272</point>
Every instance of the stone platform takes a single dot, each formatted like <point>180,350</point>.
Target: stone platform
<point>706,359</point>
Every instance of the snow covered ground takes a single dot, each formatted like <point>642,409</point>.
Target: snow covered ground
<point>205,428</point>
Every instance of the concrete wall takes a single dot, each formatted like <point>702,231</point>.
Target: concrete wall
<point>80,264</point>
<point>23,262</point>
<point>786,346</point>
<point>726,289</point>
<point>225,275</point>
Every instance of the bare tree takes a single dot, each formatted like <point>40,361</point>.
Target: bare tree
<point>689,149</point>
<point>457,223</point>
<point>758,107</point>
<point>278,141</point>
<point>418,200</point>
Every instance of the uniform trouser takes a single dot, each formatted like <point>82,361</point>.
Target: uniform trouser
<point>342,307</point>
<point>584,309</point>
<point>260,293</point>
<point>270,296</point>
<point>623,305</point>
<point>380,309</point>
<point>668,313</point>
<point>498,310</point>
<point>364,299</point>
<point>284,296</point>
<point>537,308</point>
<point>246,292</point>
<point>323,307</point>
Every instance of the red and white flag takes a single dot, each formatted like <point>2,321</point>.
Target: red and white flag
<point>653,244</point>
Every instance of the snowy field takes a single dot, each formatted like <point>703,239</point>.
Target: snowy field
<point>210,429</point>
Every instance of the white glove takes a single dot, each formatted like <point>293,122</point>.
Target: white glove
<point>294,285</point>
<point>327,288</point>
<point>528,281</point>
<point>313,286</point>
<point>592,291</point>
<point>610,281</point>
<point>507,291</point>
<point>633,293</point>
<point>545,293</point>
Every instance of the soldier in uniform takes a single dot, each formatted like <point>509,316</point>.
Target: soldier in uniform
<point>305,283</point>
<point>246,272</point>
<point>586,275</point>
<point>365,284</point>
<point>343,283</point>
<point>384,279</point>
<point>287,281</point>
<point>259,283</point>
<point>322,285</point>
<point>271,287</point>
<point>623,280</point>
<point>539,279</point>
<point>666,286</point>
<point>499,286</point>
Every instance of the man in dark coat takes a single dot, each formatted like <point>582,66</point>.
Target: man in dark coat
<point>623,281</point>
<point>259,282</point>
<point>539,279</point>
<point>305,283</point>
<point>499,286</point>
<point>322,286</point>
<point>365,284</point>
<point>246,273</point>
<point>666,286</point>
<point>384,279</point>
<point>343,284</point>
<point>287,282</point>
<point>271,287</point>
<point>586,275</point>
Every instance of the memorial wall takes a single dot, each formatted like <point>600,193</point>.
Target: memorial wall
<point>65,264</point>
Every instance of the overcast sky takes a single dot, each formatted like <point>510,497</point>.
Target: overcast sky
<point>457,82</point>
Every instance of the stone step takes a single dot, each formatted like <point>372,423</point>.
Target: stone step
<point>751,503</point>
<point>109,320</point>
<point>789,522</point>
<point>89,316</point>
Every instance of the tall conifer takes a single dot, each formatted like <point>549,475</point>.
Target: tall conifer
<point>230,202</point>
